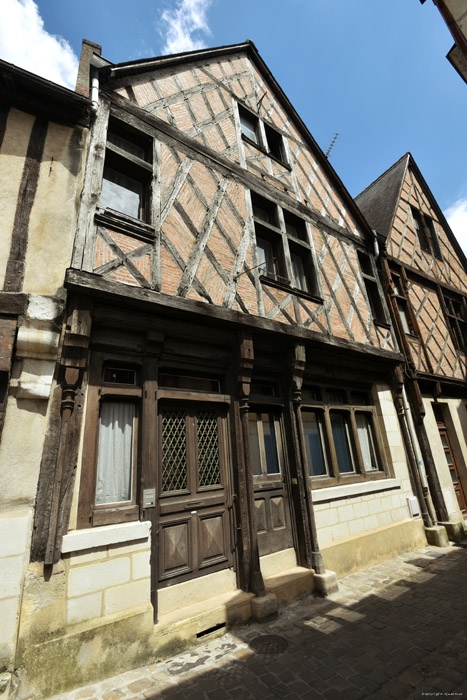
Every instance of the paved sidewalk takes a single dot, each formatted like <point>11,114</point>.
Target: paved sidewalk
<point>396,630</point>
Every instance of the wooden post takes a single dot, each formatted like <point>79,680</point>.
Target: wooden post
<point>245,361</point>
<point>314,558</point>
<point>74,362</point>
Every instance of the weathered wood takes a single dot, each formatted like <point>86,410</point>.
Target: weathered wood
<point>197,251</point>
<point>7,340</point>
<point>15,269</point>
<point>134,115</point>
<point>4,111</point>
<point>83,281</point>
<point>155,214</point>
<point>13,303</point>
<point>83,251</point>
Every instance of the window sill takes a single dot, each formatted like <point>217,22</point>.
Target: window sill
<point>125,224</point>
<point>94,537</point>
<point>332,493</point>
<point>265,152</point>
<point>382,324</point>
<point>292,290</point>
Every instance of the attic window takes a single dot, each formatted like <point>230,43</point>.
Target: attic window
<point>264,136</point>
<point>426,233</point>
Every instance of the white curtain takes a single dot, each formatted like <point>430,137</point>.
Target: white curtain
<point>114,464</point>
<point>364,438</point>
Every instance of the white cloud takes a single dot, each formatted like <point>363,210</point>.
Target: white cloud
<point>186,19</point>
<point>25,42</point>
<point>456,215</point>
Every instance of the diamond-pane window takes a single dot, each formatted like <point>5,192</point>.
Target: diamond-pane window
<point>174,461</point>
<point>208,449</point>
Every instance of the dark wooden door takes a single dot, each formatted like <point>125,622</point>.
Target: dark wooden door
<point>452,468</point>
<point>194,520</point>
<point>271,500</point>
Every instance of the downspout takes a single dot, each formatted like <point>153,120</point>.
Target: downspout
<point>94,89</point>
<point>420,470</point>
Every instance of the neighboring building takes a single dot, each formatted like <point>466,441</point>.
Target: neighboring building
<point>424,270</point>
<point>454,13</point>
<point>222,432</point>
<point>43,133</point>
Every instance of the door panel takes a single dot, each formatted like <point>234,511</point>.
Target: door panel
<point>194,526</point>
<point>271,501</point>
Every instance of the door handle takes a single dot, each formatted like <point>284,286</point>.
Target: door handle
<point>193,504</point>
<point>234,512</point>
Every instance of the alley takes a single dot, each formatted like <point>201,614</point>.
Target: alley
<point>396,630</point>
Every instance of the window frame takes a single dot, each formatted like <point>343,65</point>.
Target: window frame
<point>456,322</point>
<point>268,139</point>
<point>285,245</point>
<point>261,410</point>
<point>91,514</point>
<point>403,305</point>
<point>373,291</point>
<point>322,403</point>
<point>425,231</point>
<point>127,164</point>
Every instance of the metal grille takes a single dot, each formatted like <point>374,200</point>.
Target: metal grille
<point>208,450</point>
<point>174,462</point>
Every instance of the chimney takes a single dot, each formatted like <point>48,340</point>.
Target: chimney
<point>88,48</point>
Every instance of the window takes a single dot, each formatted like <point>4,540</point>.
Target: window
<point>127,172</point>
<point>109,495</point>
<point>402,306</point>
<point>426,233</point>
<point>372,289</point>
<point>284,254</point>
<point>456,317</point>
<point>341,441</point>
<point>249,125</point>
<point>265,443</point>
<point>264,136</point>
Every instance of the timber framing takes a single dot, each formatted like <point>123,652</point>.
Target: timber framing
<point>89,283</point>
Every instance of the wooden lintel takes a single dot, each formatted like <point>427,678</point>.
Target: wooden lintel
<point>130,297</point>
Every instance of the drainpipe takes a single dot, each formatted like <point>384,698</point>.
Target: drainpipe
<point>419,467</point>
<point>94,89</point>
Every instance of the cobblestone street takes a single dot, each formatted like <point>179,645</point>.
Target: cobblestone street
<point>396,630</point>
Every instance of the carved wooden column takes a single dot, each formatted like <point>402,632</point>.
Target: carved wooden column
<point>314,559</point>
<point>60,454</point>
<point>252,571</point>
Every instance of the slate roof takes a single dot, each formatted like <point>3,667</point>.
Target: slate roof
<point>378,201</point>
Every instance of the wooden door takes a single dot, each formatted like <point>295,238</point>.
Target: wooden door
<point>452,468</point>
<point>271,499</point>
<point>194,520</point>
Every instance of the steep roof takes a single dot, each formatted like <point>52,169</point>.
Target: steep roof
<point>378,201</point>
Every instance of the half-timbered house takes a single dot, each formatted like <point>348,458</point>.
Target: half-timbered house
<point>43,131</point>
<point>424,271</point>
<point>223,433</point>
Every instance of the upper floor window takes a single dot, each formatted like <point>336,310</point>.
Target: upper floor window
<point>426,233</point>
<point>402,306</point>
<point>262,134</point>
<point>127,172</point>
<point>371,285</point>
<point>456,313</point>
<point>341,439</point>
<point>283,251</point>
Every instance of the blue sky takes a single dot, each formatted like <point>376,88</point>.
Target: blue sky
<point>372,70</point>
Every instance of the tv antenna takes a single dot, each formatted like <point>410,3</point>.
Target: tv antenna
<point>331,145</point>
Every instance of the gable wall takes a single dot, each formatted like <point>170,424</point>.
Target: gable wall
<point>403,243</point>
<point>200,101</point>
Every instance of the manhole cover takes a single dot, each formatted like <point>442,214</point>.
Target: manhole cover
<point>269,644</point>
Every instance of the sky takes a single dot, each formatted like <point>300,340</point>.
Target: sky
<point>373,71</point>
